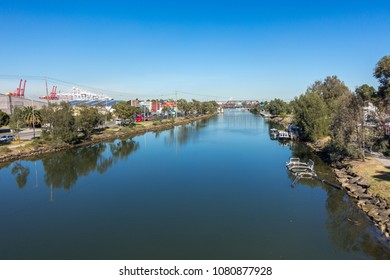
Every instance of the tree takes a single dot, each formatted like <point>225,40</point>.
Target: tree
<point>277,107</point>
<point>4,118</point>
<point>184,106</point>
<point>166,110</point>
<point>196,105</point>
<point>330,90</point>
<point>382,73</point>
<point>31,116</point>
<point>17,119</point>
<point>126,111</point>
<point>366,92</point>
<point>61,121</point>
<point>347,128</point>
<point>88,118</point>
<point>312,116</point>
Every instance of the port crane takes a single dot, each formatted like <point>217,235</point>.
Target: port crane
<point>52,96</point>
<point>19,92</point>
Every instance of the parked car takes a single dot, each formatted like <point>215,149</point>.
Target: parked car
<point>6,138</point>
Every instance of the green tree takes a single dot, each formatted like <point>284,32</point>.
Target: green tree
<point>87,119</point>
<point>277,107</point>
<point>366,92</point>
<point>4,118</point>
<point>347,128</point>
<point>330,90</point>
<point>196,105</point>
<point>32,117</point>
<point>126,111</point>
<point>17,119</point>
<point>166,110</point>
<point>382,73</point>
<point>312,116</point>
<point>61,122</point>
<point>184,106</point>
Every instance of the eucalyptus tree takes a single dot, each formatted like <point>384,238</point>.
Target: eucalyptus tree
<point>126,111</point>
<point>366,92</point>
<point>382,73</point>
<point>347,129</point>
<point>61,122</point>
<point>166,110</point>
<point>87,119</point>
<point>184,106</point>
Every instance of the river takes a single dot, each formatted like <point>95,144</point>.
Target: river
<point>213,189</point>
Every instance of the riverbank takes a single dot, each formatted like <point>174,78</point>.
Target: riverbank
<point>366,182</point>
<point>368,185</point>
<point>27,149</point>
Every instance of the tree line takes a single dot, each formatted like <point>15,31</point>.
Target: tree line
<point>330,108</point>
<point>60,122</point>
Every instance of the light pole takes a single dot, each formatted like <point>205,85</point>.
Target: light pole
<point>33,117</point>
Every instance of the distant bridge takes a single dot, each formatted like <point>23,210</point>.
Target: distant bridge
<point>238,103</point>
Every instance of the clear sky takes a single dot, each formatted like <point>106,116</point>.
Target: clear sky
<point>240,49</point>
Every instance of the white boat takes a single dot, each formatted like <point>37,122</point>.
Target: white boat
<point>283,134</point>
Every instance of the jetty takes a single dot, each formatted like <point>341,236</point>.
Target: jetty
<point>305,170</point>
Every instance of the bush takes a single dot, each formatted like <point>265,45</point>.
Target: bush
<point>335,152</point>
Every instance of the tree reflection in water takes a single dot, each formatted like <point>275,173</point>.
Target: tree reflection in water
<point>62,169</point>
<point>349,228</point>
<point>21,172</point>
<point>185,133</point>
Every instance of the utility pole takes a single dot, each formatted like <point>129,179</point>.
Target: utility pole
<point>47,92</point>
<point>33,116</point>
<point>175,103</point>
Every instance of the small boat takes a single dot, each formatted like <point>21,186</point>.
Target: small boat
<point>283,134</point>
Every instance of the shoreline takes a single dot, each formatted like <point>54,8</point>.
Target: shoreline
<point>357,187</point>
<point>121,132</point>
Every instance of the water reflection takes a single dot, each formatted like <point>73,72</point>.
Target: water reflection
<point>185,133</point>
<point>62,169</point>
<point>349,228</point>
<point>21,172</point>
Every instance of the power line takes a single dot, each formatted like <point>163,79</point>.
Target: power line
<point>72,84</point>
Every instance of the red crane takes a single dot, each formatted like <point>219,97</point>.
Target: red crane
<point>19,92</point>
<point>52,96</point>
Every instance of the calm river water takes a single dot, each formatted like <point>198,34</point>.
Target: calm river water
<point>215,189</point>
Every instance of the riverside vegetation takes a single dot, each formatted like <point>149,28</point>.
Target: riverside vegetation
<point>64,126</point>
<point>334,122</point>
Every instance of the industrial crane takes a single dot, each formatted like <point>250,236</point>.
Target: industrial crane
<point>19,92</point>
<point>52,96</point>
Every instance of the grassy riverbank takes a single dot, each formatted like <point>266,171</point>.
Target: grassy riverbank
<point>376,174</point>
<point>24,149</point>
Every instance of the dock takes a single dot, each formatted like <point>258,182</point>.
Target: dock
<point>305,170</point>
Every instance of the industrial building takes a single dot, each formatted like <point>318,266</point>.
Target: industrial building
<point>8,103</point>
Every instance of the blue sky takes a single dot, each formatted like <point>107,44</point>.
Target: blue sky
<point>239,49</point>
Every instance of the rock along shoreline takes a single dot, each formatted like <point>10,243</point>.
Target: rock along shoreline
<point>357,188</point>
<point>376,208</point>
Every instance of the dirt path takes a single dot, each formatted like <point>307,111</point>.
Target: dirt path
<point>384,161</point>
